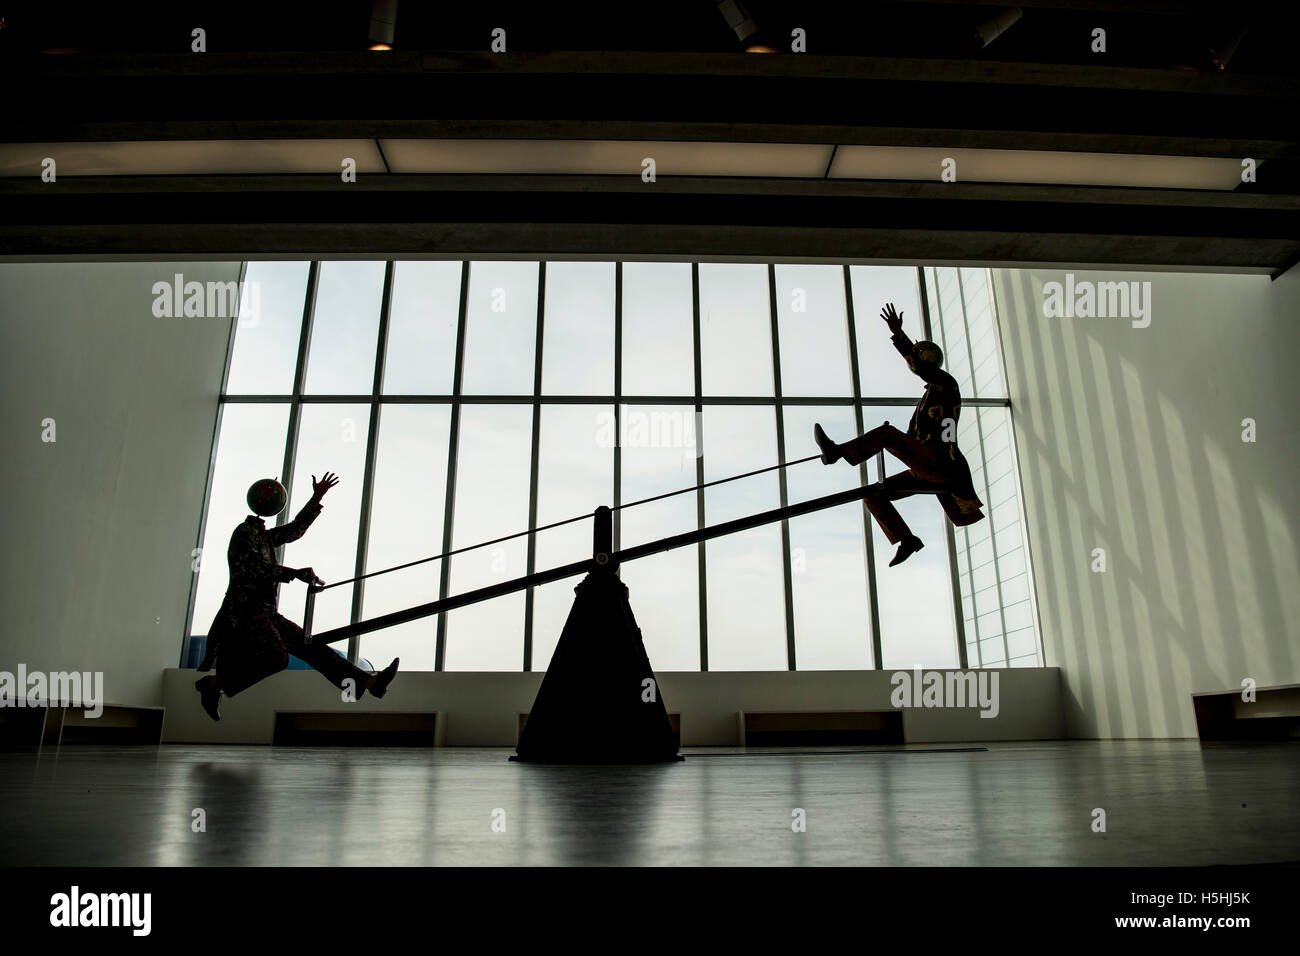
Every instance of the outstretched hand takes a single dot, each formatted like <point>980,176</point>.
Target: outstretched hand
<point>892,318</point>
<point>327,481</point>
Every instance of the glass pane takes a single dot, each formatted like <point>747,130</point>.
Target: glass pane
<point>659,454</point>
<point>265,354</point>
<point>659,448</point>
<point>658,349</point>
<point>492,478</point>
<point>948,318</point>
<point>744,571</point>
<point>917,626</point>
<point>345,328</point>
<point>735,330</point>
<point>422,328</point>
<point>965,326</point>
<point>992,555</point>
<point>575,475</point>
<point>406,512</point>
<point>500,329</point>
<point>832,621</point>
<point>330,438</point>
<point>578,331</point>
<point>883,372</point>
<point>981,321</point>
<point>813,330</point>
<point>250,446</point>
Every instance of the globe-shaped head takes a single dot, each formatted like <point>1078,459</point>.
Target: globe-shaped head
<point>267,497</point>
<point>929,353</point>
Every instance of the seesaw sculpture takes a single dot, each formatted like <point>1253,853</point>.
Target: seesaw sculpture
<point>599,701</point>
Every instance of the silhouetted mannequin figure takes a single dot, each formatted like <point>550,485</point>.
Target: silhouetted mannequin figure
<point>935,466</point>
<point>249,639</point>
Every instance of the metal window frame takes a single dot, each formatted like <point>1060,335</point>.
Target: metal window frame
<point>453,452</point>
<point>372,448</point>
<point>984,463</point>
<point>868,539</point>
<point>533,462</point>
<point>960,610</point>
<point>295,404</point>
<point>949,538</point>
<point>783,495</point>
<point>617,496</point>
<point>702,591</point>
<point>526,398</point>
<point>457,398</point>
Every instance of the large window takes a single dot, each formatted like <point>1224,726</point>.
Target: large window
<point>999,621</point>
<point>462,402</point>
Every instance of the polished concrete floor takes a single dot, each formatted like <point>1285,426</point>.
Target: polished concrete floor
<point>1166,802</point>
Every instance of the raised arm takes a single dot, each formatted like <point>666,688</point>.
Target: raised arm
<point>924,370</point>
<point>296,528</point>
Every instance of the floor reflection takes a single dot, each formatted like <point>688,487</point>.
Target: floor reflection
<point>1026,803</point>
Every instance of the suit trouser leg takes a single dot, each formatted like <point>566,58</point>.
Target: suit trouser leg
<point>883,438</point>
<point>880,502</point>
<point>922,476</point>
<point>884,493</point>
<point>334,667</point>
<point>887,516</point>
<point>881,505</point>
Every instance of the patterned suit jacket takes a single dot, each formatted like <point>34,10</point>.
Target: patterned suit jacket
<point>254,573</point>
<point>941,400</point>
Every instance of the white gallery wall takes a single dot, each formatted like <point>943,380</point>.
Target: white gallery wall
<point>1131,441</point>
<point>482,708</point>
<point>98,525</point>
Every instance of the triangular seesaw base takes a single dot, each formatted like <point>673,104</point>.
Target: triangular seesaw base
<point>599,701</point>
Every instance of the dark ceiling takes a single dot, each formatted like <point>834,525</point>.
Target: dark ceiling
<point>1177,79</point>
<point>1255,38</point>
